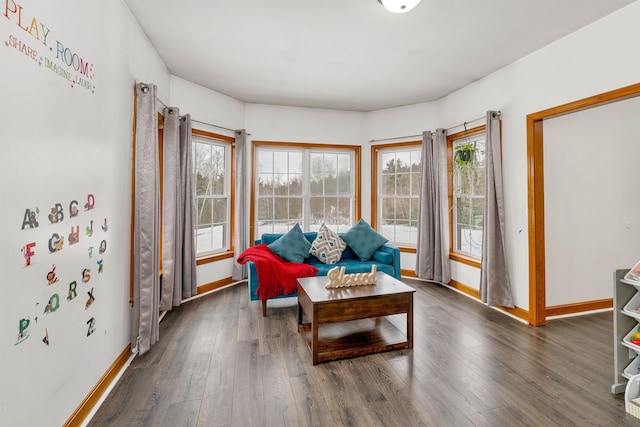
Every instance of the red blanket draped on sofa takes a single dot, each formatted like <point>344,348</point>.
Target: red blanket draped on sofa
<point>275,275</point>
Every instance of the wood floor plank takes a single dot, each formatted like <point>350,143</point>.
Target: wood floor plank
<point>219,362</point>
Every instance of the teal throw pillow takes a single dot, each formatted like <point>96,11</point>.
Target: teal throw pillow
<point>364,240</point>
<point>293,246</point>
<point>327,246</point>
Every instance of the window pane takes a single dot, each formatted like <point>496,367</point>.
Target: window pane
<point>403,161</point>
<point>265,209</point>
<point>416,162</point>
<point>316,164</point>
<point>295,163</point>
<point>388,185</point>
<point>281,209</point>
<point>415,183</point>
<point>203,239</point>
<point>330,164</point>
<point>344,217</point>
<point>295,208</point>
<point>265,184</point>
<point>265,161</point>
<point>477,212</point>
<point>331,185</point>
<point>295,184</point>
<point>219,210</point>
<point>344,184</point>
<point>218,185</point>
<point>344,163</point>
<point>204,211</point>
<point>387,161</point>
<point>403,210</point>
<point>316,208</point>
<point>403,187</point>
<point>388,209</point>
<point>280,187</point>
<point>201,184</point>
<point>264,227</point>
<point>315,187</point>
<point>415,208</point>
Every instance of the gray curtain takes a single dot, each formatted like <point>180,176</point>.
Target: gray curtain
<point>432,247</point>
<point>178,251</point>
<point>170,212</point>
<point>145,322</point>
<point>240,209</point>
<point>188,249</point>
<point>495,288</point>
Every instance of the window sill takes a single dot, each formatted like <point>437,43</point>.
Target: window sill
<point>206,259</point>
<point>464,259</point>
<point>406,249</point>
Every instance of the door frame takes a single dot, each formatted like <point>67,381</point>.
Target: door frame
<point>535,184</point>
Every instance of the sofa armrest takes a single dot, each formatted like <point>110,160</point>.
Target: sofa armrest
<point>252,280</point>
<point>395,253</point>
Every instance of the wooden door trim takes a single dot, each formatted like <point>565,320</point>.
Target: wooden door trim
<point>535,184</point>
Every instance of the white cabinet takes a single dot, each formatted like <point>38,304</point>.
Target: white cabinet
<point>626,322</point>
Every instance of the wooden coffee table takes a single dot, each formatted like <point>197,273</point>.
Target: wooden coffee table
<point>345,308</point>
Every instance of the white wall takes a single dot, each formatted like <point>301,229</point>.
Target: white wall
<point>207,106</point>
<point>592,217</point>
<point>59,143</point>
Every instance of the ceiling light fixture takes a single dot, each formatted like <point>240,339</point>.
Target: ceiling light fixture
<point>399,6</point>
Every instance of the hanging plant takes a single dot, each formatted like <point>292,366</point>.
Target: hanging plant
<point>463,157</point>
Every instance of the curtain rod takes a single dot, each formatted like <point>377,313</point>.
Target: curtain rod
<point>193,120</point>
<point>414,136</point>
<point>215,126</point>
<point>198,121</point>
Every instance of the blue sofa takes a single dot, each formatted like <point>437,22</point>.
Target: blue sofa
<point>387,260</point>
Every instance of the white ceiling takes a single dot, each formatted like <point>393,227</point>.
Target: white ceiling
<point>351,54</point>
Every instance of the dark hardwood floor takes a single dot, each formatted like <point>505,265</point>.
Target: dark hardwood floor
<point>220,363</point>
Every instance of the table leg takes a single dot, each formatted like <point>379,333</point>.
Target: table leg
<point>314,335</point>
<point>410,321</point>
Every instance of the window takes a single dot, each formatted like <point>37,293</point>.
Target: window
<point>305,184</point>
<point>212,190</point>
<point>467,179</point>
<point>396,198</point>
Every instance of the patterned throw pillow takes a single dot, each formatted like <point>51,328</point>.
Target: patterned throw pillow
<point>327,246</point>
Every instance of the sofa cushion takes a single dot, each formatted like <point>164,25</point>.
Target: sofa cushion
<point>383,257</point>
<point>293,246</point>
<point>327,246</point>
<point>364,240</point>
<point>351,267</point>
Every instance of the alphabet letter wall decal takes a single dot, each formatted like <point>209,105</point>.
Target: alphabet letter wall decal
<point>28,253</point>
<point>73,208</point>
<point>23,333</point>
<point>56,214</point>
<point>30,218</point>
